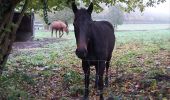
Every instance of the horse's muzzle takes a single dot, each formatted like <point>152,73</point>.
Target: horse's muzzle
<point>81,53</point>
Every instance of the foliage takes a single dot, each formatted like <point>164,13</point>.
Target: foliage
<point>71,77</point>
<point>130,5</point>
<point>56,5</point>
<point>12,85</point>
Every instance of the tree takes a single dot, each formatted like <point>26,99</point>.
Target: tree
<point>64,15</point>
<point>113,14</point>
<point>8,28</point>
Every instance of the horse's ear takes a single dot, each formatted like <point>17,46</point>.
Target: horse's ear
<point>74,7</point>
<point>90,9</point>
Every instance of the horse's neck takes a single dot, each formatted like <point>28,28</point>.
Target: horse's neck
<point>64,28</point>
<point>90,25</point>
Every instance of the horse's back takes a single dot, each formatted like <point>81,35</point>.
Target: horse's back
<point>58,24</point>
<point>104,38</point>
<point>104,30</point>
<point>104,24</point>
<point>55,24</point>
<point>62,23</point>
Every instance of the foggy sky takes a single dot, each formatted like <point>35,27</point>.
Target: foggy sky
<point>162,9</point>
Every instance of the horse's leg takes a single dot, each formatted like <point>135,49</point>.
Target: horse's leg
<point>107,68</point>
<point>101,67</point>
<point>106,77</point>
<point>56,33</point>
<point>51,32</point>
<point>61,34</point>
<point>96,78</point>
<point>86,69</point>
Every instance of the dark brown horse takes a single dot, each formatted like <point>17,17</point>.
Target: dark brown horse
<point>59,26</point>
<point>95,43</point>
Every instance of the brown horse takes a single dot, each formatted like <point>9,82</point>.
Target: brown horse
<point>59,26</point>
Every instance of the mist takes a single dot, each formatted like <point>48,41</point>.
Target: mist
<point>160,14</point>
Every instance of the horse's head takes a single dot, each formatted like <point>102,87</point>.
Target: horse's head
<point>66,29</point>
<point>81,28</point>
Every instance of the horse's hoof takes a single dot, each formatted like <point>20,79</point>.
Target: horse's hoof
<point>106,82</point>
<point>102,98</point>
<point>85,98</point>
<point>106,85</point>
<point>100,94</point>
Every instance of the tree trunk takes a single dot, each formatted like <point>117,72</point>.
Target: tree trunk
<point>4,34</point>
<point>8,32</point>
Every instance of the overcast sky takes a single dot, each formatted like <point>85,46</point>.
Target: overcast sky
<point>163,8</point>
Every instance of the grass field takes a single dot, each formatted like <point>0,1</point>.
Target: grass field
<point>139,67</point>
<point>143,27</point>
<point>139,27</point>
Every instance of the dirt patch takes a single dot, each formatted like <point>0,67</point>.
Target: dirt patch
<point>36,43</point>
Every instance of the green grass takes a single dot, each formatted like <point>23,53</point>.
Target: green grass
<point>136,52</point>
<point>143,36</point>
<point>47,34</point>
<point>143,27</point>
<point>42,34</point>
